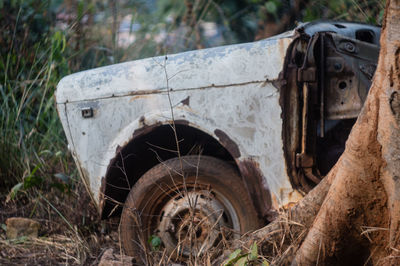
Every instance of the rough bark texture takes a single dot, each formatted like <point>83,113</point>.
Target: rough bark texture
<point>359,218</point>
<point>353,216</point>
<point>358,221</point>
<point>281,238</point>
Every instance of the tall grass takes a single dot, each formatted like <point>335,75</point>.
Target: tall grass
<point>31,135</point>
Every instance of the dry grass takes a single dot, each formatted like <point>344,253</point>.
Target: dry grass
<point>276,242</point>
<point>70,233</point>
<point>55,249</point>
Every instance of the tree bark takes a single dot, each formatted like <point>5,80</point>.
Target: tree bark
<point>358,221</point>
<point>353,215</point>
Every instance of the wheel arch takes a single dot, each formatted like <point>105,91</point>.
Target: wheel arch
<point>140,143</point>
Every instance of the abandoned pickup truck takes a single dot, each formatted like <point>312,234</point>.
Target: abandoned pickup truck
<point>214,141</point>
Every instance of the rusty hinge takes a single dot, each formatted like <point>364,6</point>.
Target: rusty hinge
<point>307,74</point>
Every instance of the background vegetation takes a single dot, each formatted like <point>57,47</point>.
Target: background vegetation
<point>42,41</point>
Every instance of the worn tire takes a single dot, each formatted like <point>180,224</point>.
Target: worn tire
<point>156,193</point>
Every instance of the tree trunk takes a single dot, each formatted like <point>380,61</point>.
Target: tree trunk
<point>353,216</point>
<point>358,221</point>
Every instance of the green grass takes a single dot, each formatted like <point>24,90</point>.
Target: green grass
<point>31,135</point>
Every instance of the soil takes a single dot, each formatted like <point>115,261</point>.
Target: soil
<point>70,230</point>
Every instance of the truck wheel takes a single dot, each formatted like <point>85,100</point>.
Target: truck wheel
<point>188,213</point>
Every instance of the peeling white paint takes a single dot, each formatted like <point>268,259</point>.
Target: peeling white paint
<point>230,89</point>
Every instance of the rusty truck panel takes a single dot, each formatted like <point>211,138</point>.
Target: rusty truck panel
<point>226,92</point>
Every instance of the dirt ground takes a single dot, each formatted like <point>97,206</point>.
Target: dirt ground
<point>70,232</point>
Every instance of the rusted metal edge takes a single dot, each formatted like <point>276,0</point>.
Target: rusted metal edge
<point>228,143</point>
<point>252,178</point>
<point>289,102</point>
<point>257,189</point>
<point>145,129</point>
<point>294,112</point>
<point>249,170</point>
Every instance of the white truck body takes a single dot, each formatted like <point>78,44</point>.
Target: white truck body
<point>229,93</point>
<point>229,88</point>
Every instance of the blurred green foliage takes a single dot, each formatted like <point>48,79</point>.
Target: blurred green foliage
<point>185,25</point>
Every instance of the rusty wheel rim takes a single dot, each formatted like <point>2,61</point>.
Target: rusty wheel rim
<point>191,222</point>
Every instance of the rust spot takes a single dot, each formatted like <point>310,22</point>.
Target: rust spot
<point>186,101</point>
<point>143,130</point>
<point>228,143</point>
<point>145,92</point>
<point>142,121</point>
<point>282,48</point>
<point>182,122</point>
<point>259,193</point>
<point>139,97</point>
